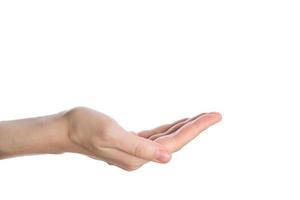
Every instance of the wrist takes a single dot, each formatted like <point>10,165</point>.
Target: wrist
<point>58,137</point>
<point>69,142</point>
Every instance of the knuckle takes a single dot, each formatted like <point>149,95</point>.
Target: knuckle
<point>139,150</point>
<point>131,167</point>
<point>132,164</point>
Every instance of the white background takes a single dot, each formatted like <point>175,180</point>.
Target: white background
<point>151,62</point>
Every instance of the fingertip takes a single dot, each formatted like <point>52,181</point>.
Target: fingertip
<point>162,156</point>
<point>217,115</point>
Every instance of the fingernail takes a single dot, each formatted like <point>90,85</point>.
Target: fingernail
<point>163,156</point>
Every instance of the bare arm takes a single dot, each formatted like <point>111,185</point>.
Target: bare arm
<point>86,131</point>
<point>34,136</point>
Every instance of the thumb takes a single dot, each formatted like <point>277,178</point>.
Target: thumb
<point>143,148</point>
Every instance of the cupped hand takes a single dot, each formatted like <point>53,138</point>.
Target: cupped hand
<point>99,136</point>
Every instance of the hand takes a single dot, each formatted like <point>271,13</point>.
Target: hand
<point>97,135</point>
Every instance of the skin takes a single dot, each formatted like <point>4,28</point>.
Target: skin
<point>92,133</point>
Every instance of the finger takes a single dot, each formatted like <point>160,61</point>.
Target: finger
<point>142,148</point>
<point>121,159</point>
<point>175,141</point>
<point>163,128</point>
<point>175,127</point>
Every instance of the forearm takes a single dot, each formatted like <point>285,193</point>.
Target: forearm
<point>39,135</point>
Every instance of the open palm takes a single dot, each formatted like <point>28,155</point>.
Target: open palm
<point>99,136</point>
